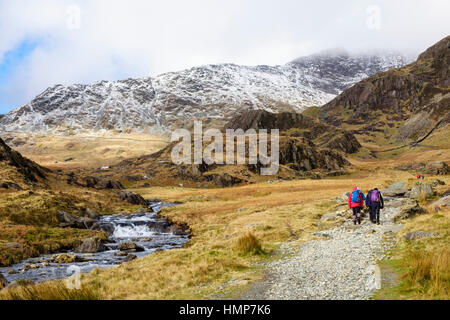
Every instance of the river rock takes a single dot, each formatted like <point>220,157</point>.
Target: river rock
<point>421,189</point>
<point>92,214</point>
<point>108,228</point>
<point>408,211</point>
<point>414,235</point>
<point>396,189</point>
<point>121,254</point>
<point>66,258</point>
<point>130,257</point>
<point>91,245</point>
<point>130,247</point>
<point>3,282</point>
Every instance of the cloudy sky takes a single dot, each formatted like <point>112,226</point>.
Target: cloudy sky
<point>46,42</point>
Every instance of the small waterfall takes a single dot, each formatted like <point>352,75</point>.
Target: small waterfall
<point>145,229</point>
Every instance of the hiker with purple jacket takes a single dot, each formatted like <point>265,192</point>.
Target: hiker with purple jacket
<point>375,202</point>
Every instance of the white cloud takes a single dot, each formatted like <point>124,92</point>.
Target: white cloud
<point>135,38</point>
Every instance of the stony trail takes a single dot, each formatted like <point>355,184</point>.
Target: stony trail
<point>342,266</point>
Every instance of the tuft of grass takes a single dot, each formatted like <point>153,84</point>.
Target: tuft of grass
<point>429,271</point>
<point>50,291</point>
<point>248,244</point>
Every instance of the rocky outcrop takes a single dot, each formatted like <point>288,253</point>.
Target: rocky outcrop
<point>434,168</point>
<point>413,98</point>
<point>103,183</point>
<point>297,125</point>
<point>302,155</point>
<point>408,211</point>
<point>132,198</point>
<point>27,168</point>
<point>396,189</point>
<point>66,220</point>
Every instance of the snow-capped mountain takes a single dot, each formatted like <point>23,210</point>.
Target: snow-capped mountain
<point>206,92</point>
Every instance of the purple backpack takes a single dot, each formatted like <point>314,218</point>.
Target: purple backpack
<point>374,196</point>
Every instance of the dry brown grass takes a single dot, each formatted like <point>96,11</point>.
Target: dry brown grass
<point>49,291</point>
<point>429,272</point>
<point>109,148</point>
<point>249,244</point>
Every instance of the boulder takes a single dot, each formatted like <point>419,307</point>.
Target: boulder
<point>130,247</point>
<point>396,189</point>
<point>437,182</point>
<point>91,245</point>
<point>3,282</point>
<point>66,218</point>
<point>421,189</point>
<point>92,214</point>
<point>442,202</point>
<point>415,235</point>
<point>408,211</point>
<point>130,257</point>
<point>132,198</point>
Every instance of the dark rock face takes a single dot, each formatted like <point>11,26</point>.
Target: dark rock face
<point>132,198</point>
<point>297,125</point>
<point>302,155</point>
<point>91,245</point>
<point>29,169</point>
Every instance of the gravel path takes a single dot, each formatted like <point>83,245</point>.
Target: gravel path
<point>342,266</point>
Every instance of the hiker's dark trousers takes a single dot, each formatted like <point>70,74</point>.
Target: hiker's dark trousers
<point>356,214</point>
<point>375,212</point>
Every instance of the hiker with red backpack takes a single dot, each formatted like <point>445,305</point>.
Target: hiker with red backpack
<point>375,202</point>
<point>356,203</point>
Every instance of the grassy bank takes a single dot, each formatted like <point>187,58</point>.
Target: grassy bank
<point>422,267</point>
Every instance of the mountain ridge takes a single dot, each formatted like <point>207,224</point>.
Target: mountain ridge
<point>214,92</point>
